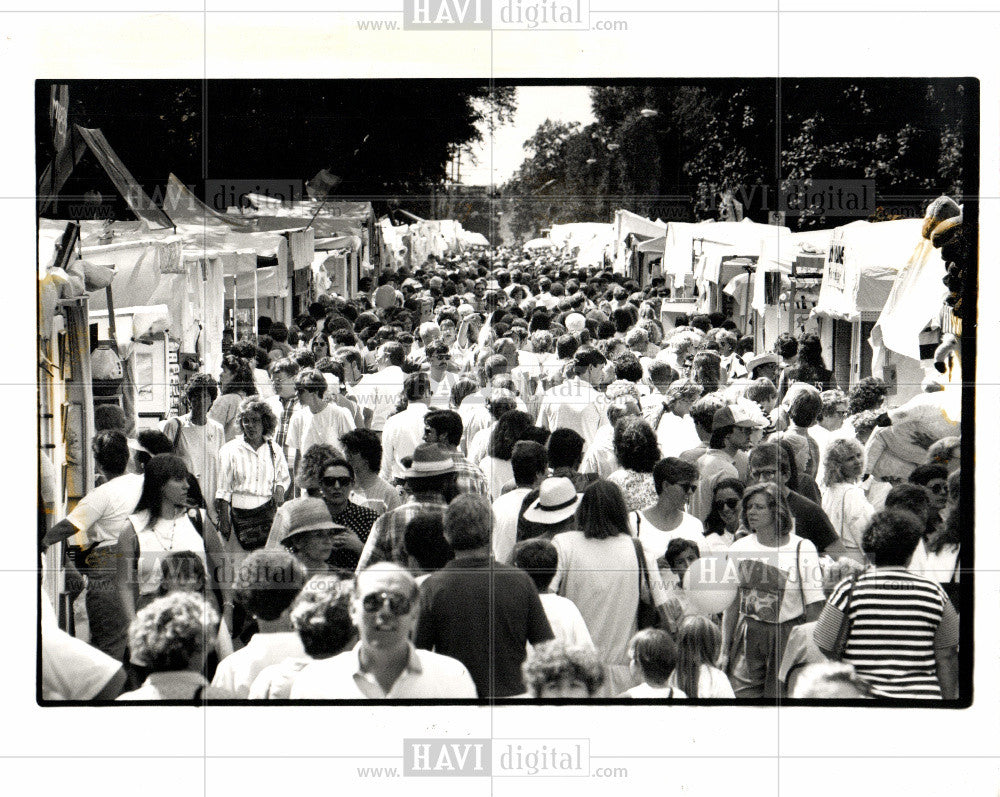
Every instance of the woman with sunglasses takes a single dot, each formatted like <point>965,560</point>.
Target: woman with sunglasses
<point>723,522</point>
<point>320,346</point>
<point>666,520</point>
<point>325,474</point>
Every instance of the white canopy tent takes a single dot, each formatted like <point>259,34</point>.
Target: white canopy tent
<point>539,243</point>
<point>627,223</point>
<point>862,263</point>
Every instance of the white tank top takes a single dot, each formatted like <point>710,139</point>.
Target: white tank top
<point>159,539</point>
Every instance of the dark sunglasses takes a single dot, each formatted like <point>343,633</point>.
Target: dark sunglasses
<point>728,503</point>
<point>688,487</point>
<point>336,481</point>
<point>399,605</point>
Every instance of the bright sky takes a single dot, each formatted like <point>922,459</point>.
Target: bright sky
<point>535,104</point>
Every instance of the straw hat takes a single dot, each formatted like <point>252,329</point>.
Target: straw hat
<point>428,459</point>
<point>305,514</point>
<point>557,501</point>
<point>762,359</point>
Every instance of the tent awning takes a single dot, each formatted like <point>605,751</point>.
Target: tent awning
<point>862,263</point>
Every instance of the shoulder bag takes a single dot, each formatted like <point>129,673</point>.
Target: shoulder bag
<point>844,632</point>
<point>646,614</point>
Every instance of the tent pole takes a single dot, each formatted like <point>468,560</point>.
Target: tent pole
<point>253,322</point>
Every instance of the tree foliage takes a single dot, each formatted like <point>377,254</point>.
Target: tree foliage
<point>381,137</point>
<point>671,150</point>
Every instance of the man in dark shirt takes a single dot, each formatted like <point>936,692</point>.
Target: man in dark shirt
<point>769,463</point>
<point>477,610</point>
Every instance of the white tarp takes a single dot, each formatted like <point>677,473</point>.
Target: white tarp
<point>592,253</point>
<point>267,283</point>
<point>576,234</point>
<point>470,238</point>
<point>862,263</point>
<point>626,223</point>
<point>715,240</point>
<point>539,243</point>
<point>916,299</point>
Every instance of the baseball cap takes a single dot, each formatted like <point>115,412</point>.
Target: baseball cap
<point>732,415</point>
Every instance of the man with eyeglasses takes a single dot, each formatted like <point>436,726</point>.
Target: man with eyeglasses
<point>769,462</point>
<point>284,402</point>
<point>384,663</point>
<point>442,380</point>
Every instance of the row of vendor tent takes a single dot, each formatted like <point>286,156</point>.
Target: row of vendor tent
<point>411,245</point>
<point>879,292</point>
<point>886,268</point>
<point>259,261</point>
<point>592,243</point>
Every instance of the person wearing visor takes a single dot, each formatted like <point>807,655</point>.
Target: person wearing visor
<point>384,663</point>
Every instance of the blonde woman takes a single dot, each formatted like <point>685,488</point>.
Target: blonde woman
<point>844,500</point>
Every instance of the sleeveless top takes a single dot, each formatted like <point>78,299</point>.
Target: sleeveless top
<point>155,541</point>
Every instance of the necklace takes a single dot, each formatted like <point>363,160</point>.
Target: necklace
<point>173,531</point>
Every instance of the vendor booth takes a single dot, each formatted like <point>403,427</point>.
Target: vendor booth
<point>861,269</point>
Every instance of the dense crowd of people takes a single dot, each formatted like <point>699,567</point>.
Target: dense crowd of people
<point>498,477</point>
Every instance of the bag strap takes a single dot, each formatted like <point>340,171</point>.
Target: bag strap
<point>274,467</point>
<point>174,424</point>
<point>850,596</point>
<point>663,411</point>
<point>798,574</point>
<point>643,571</point>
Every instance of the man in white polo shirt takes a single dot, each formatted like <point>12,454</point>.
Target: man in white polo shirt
<point>384,664</point>
<point>378,393</point>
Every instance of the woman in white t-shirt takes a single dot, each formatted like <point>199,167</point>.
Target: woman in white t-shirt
<point>160,525</point>
<point>844,501</point>
<point>674,480</point>
<point>780,586</point>
<point>599,571</point>
<point>675,429</point>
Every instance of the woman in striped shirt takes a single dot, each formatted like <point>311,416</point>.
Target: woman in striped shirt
<point>903,631</point>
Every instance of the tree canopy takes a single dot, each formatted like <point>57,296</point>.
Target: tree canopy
<point>382,138</point>
<point>669,150</point>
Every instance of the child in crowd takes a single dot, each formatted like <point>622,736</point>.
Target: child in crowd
<point>698,643</point>
<point>652,657</point>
